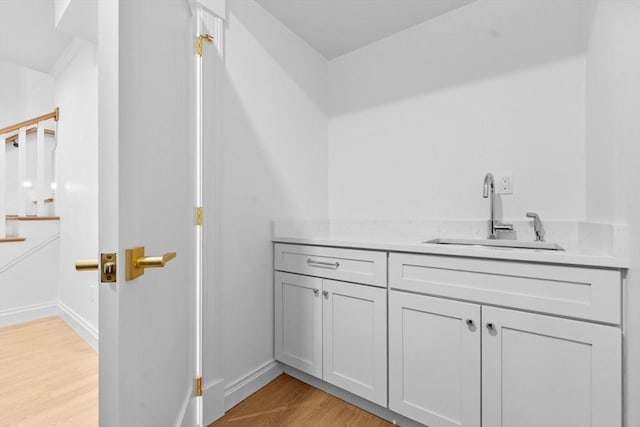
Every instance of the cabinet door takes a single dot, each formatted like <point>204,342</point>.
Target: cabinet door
<point>298,322</point>
<point>547,371</point>
<point>434,360</point>
<point>355,339</point>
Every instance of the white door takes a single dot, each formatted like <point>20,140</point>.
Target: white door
<point>355,339</point>
<point>298,322</point>
<point>146,199</point>
<point>434,360</point>
<point>546,371</point>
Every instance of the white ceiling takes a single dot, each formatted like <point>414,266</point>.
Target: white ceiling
<point>335,27</point>
<point>27,34</point>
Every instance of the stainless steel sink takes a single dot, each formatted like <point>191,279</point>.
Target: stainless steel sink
<point>498,243</point>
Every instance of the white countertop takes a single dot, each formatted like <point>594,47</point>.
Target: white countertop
<point>574,254</point>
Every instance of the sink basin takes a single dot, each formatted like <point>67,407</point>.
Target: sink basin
<point>498,243</point>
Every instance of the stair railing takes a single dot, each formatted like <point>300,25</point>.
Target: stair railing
<point>9,136</point>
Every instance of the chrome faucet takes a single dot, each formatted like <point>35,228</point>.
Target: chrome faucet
<point>489,191</point>
<point>537,226</point>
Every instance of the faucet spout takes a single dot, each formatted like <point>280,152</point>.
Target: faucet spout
<point>489,191</point>
<point>489,185</point>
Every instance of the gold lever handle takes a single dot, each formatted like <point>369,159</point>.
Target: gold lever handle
<point>137,262</point>
<point>87,264</point>
<point>155,261</point>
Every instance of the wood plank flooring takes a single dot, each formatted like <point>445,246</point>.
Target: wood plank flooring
<point>48,376</point>
<point>289,402</point>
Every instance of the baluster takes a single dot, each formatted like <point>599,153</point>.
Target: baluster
<point>22,171</point>
<point>40,182</point>
<point>3,187</point>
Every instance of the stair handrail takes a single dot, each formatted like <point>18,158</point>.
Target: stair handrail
<point>55,115</point>
<point>21,127</point>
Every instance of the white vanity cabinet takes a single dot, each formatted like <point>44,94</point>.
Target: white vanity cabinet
<point>333,330</point>
<point>434,360</point>
<point>541,370</point>
<point>528,369</point>
<point>298,322</point>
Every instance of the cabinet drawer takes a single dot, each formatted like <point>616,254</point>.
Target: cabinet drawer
<point>580,292</point>
<point>349,265</point>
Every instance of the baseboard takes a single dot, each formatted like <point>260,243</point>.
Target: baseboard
<point>187,416</point>
<point>243,387</point>
<point>213,400</point>
<point>351,398</point>
<point>76,322</point>
<point>28,313</point>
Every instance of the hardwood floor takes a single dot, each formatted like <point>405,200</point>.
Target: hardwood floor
<point>48,376</point>
<point>289,402</point>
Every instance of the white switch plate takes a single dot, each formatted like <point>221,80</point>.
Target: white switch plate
<point>504,183</point>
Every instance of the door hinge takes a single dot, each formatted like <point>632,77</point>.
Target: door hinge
<point>199,38</point>
<point>199,215</point>
<point>198,386</point>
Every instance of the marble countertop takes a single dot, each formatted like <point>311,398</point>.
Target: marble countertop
<point>574,254</point>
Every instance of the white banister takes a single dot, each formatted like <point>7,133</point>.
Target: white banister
<point>40,172</point>
<point>22,171</point>
<point>3,188</point>
<point>31,167</point>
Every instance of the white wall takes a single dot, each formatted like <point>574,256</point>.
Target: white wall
<point>24,93</point>
<point>418,118</point>
<point>77,190</point>
<point>275,167</point>
<point>28,273</point>
<point>613,151</point>
<point>28,270</point>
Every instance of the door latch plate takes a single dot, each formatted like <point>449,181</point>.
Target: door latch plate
<point>109,271</point>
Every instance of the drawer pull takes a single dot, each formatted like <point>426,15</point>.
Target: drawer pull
<point>315,263</point>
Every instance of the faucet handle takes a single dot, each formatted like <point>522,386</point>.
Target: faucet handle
<point>537,226</point>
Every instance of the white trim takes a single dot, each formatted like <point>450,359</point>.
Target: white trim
<point>29,252</point>
<point>79,324</point>
<point>213,400</point>
<point>212,394</point>
<point>241,388</point>
<point>28,313</point>
<point>187,416</point>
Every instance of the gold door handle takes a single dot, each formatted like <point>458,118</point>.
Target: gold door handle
<point>109,267</point>
<point>87,264</point>
<point>137,262</point>
<point>155,261</point>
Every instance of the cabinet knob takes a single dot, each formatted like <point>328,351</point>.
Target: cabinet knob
<point>315,291</point>
<point>325,293</point>
<point>469,322</point>
<point>491,326</point>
